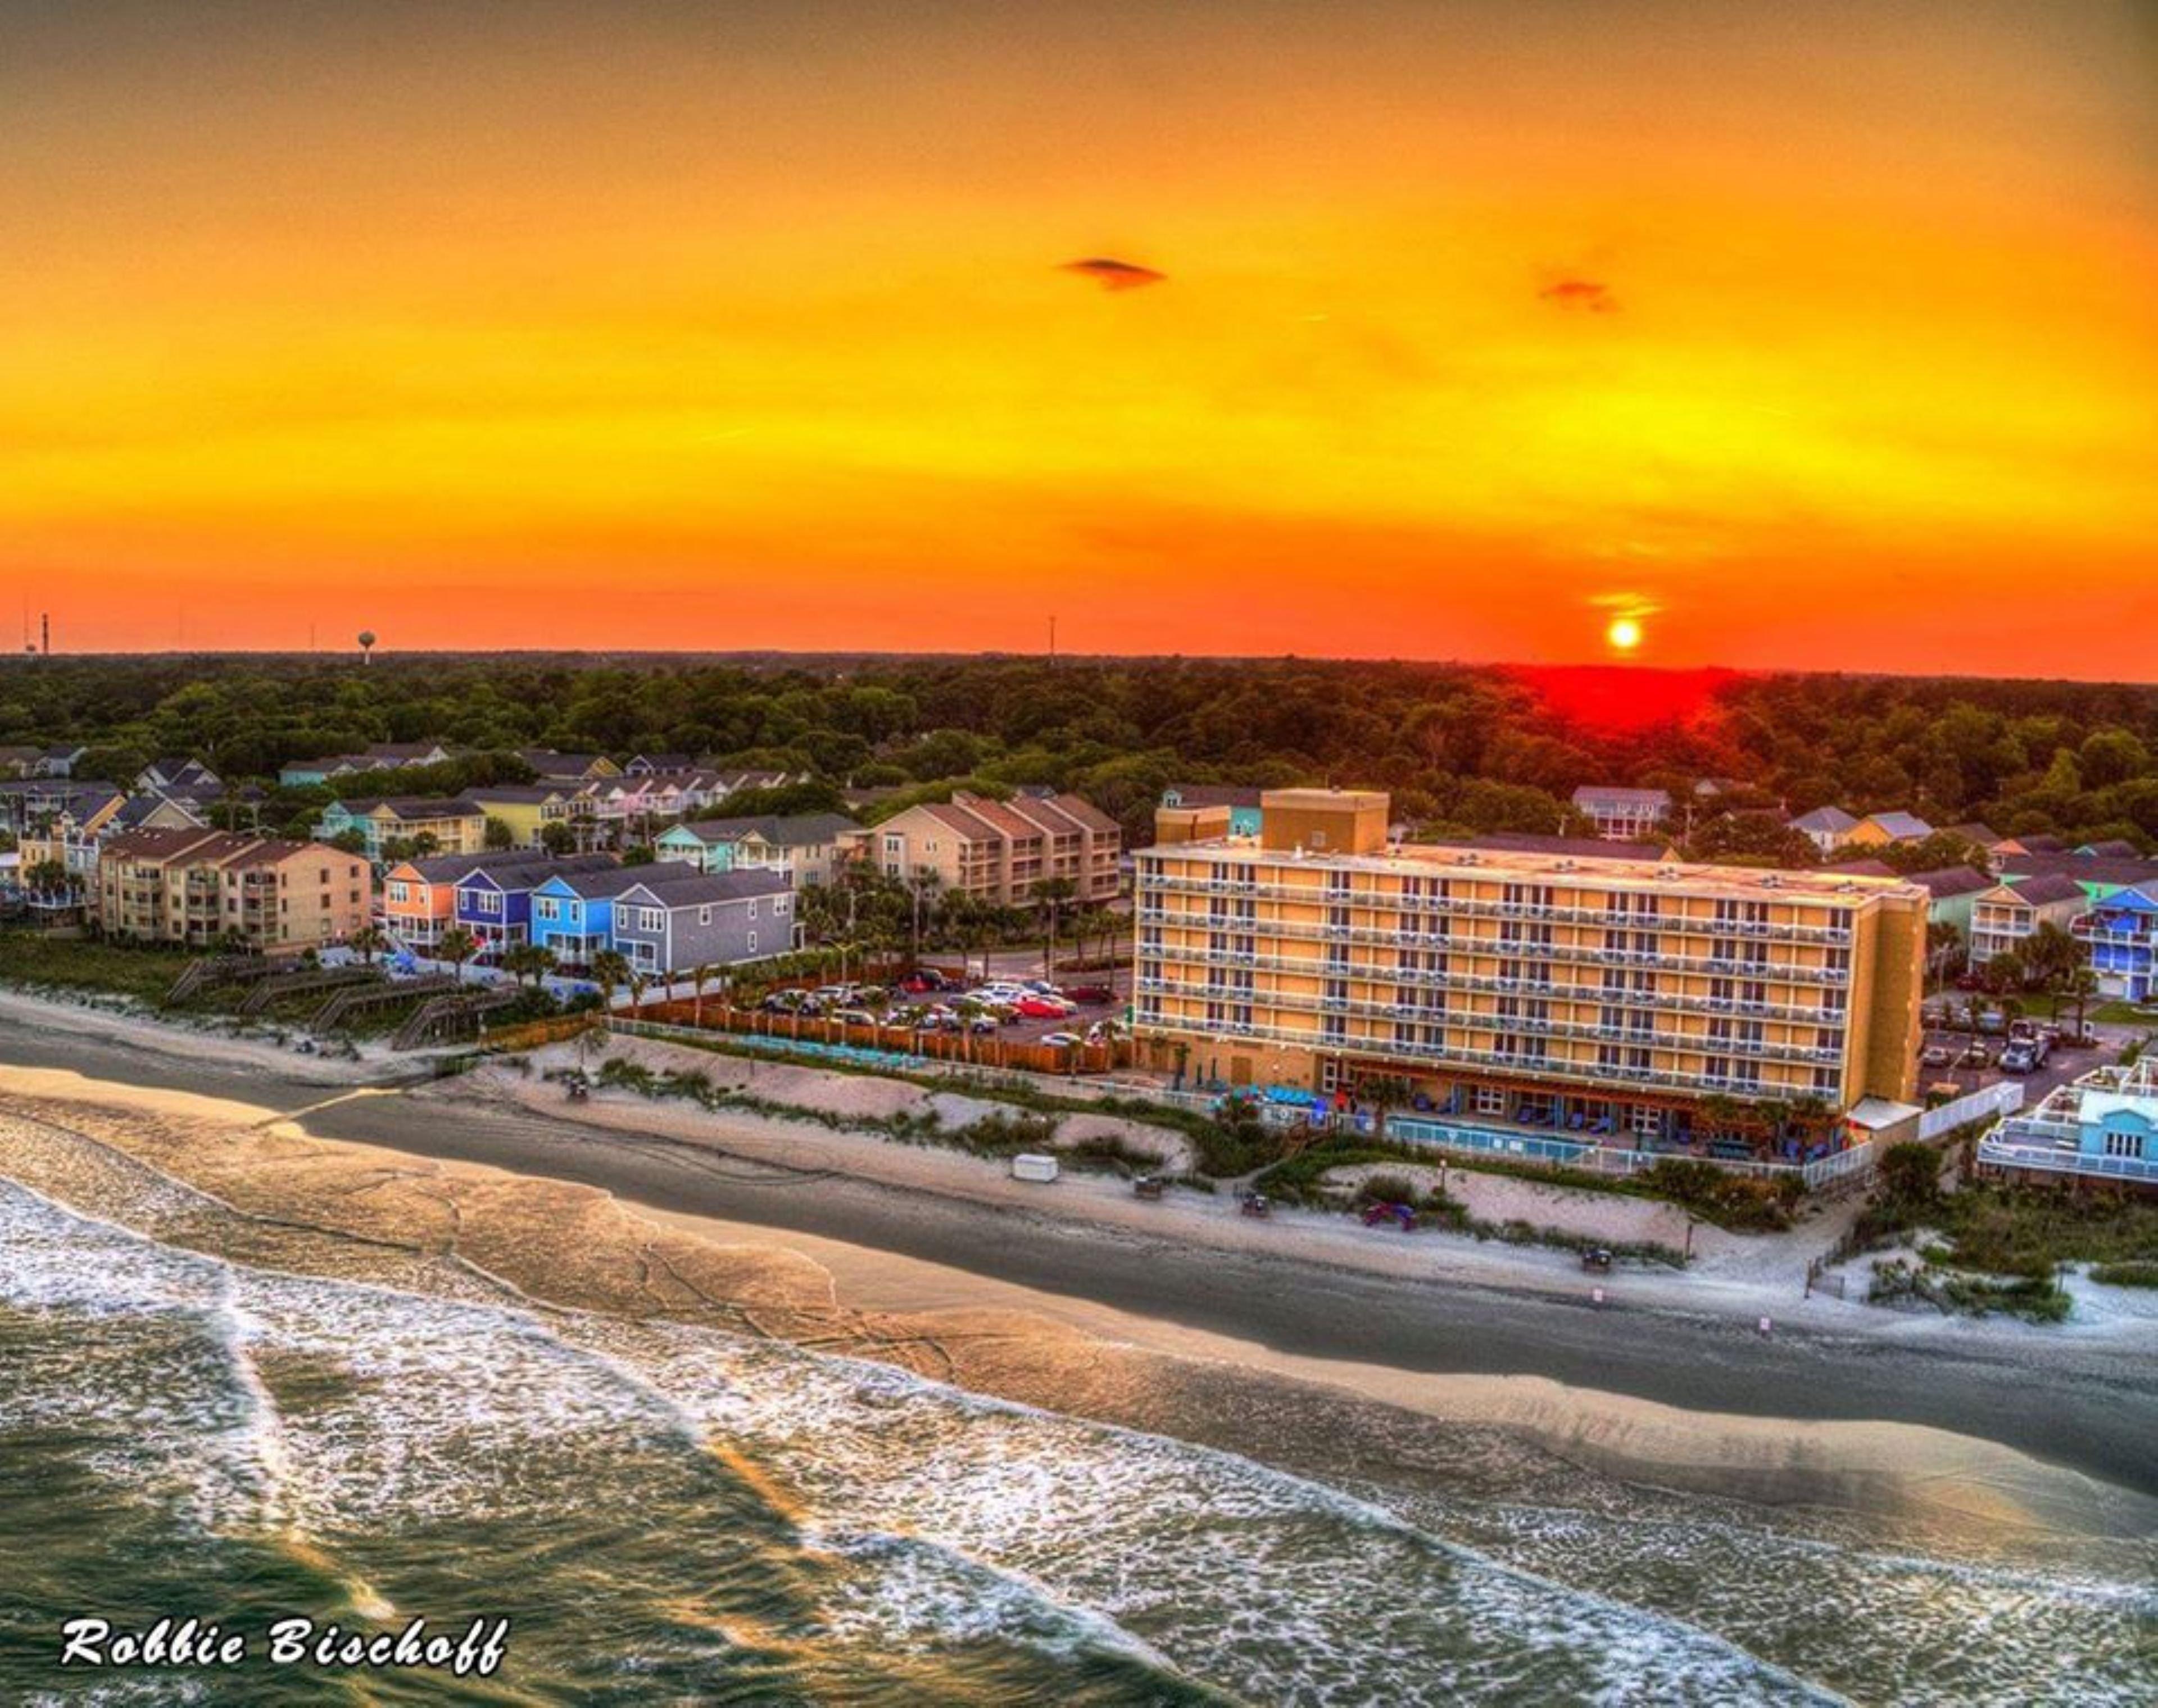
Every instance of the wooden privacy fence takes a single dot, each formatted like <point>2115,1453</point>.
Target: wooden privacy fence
<point>985,1051</point>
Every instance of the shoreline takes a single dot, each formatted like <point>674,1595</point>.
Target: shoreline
<point>2083,1408</point>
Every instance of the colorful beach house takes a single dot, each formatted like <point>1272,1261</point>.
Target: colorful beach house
<point>702,919</point>
<point>419,896</point>
<point>802,848</point>
<point>525,810</point>
<point>494,899</point>
<point>453,826</point>
<point>573,913</point>
<point>2122,931</point>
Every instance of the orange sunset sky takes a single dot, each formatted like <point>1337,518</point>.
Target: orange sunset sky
<point>1822,335</point>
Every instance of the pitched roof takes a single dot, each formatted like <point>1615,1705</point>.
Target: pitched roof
<point>954,816</point>
<point>598,885</point>
<point>781,830</point>
<point>522,794</point>
<point>1951,881</point>
<point>1863,869</point>
<point>2041,844</point>
<point>1985,835</point>
<point>1832,819</point>
<point>1087,813</point>
<point>1000,817</point>
<point>696,889</point>
<point>2086,869</point>
<point>2042,891</point>
<point>534,870</point>
<point>2115,846</point>
<point>414,807</point>
<point>1900,824</point>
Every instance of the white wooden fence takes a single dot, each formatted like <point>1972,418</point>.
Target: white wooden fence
<point>1987,1102</point>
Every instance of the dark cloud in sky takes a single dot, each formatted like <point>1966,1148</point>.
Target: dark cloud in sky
<point>1115,275</point>
<point>1586,295</point>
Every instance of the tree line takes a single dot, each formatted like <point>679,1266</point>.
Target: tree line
<point>1461,747</point>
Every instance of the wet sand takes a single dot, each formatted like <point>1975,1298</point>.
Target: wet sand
<point>1075,1319</point>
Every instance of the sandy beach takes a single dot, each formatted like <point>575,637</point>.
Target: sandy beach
<point>937,1260</point>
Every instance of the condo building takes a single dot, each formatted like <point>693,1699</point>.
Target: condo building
<point>1609,995</point>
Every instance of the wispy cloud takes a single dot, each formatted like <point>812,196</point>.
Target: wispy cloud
<point>1115,275</point>
<point>1587,296</point>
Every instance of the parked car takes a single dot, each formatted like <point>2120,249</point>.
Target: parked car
<point>1041,1008</point>
<point>856,1017</point>
<point>923,981</point>
<point>1937,1055</point>
<point>1063,1040</point>
<point>2019,1058</point>
<point>1090,994</point>
<point>1976,1056</point>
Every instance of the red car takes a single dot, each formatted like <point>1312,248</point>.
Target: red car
<point>1090,992</point>
<point>1036,1007</point>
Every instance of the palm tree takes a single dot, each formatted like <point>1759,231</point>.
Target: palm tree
<point>610,971</point>
<point>535,960</point>
<point>456,947</point>
<point>702,974</point>
<point>923,894</point>
<point>2081,985</point>
<point>1051,894</point>
<point>369,939</point>
<point>638,983</point>
<point>1384,1091</point>
<point>968,1010</point>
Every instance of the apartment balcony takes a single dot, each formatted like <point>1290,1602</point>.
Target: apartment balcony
<point>1807,1057</point>
<point>1460,978</point>
<point>1387,901</point>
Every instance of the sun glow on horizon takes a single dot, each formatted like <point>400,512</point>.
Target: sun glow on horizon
<point>758,328</point>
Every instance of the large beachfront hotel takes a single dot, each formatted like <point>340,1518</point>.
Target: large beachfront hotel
<point>1638,999</point>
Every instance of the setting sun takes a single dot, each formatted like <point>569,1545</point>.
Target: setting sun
<point>1624,634</point>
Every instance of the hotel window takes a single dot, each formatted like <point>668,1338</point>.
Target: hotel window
<point>1490,1101</point>
<point>1827,1082</point>
<point>1644,1120</point>
<point>703,915</point>
<point>2124,1144</point>
<point>1334,1028</point>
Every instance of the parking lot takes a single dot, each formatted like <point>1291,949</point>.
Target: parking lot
<point>2063,1064</point>
<point>1009,969</point>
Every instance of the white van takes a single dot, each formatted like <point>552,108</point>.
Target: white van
<point>1028,1165</point>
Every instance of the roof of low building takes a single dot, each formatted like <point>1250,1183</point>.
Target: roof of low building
<point>1829,818</point>
<point>1900,824</point>
<point>2084,869</point>
<point>781,830</point>
<point>598,885</point>
<point>1862,869</point>
<point>2047,888</point>
<point>1950,881</point>
<point>416,807</point>
<point>2118,847</point>
<point>697,889</point>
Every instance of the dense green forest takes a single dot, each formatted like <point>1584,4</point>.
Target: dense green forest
<point>1483,748</point>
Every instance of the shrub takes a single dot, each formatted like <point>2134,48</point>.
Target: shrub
<point>2132,1274</point>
